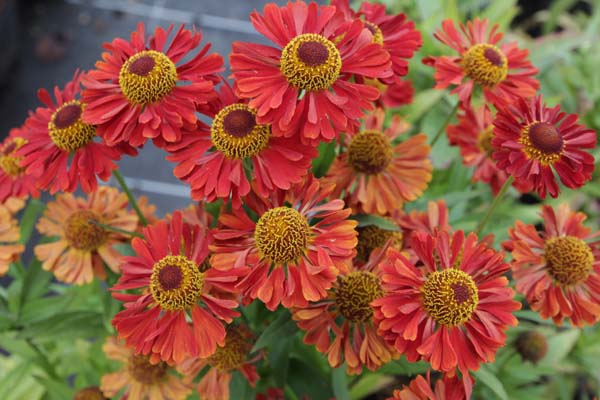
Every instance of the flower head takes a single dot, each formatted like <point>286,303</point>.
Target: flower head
<point>435,218</point>
<point>89,393</point>
<point>446,388</point>
<point>305,83</point>
<point>294,249</point>
<point>83,246</point>
<point>10,248</point>
<point>142,89</point>
<point>502,71</point>
<point>377,175</point>
<point>531,141</point>
<point>452,311</point>
<point>14,181</point>
<point>558,269</point>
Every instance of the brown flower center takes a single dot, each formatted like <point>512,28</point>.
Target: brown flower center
<point>485,64</point>
<point>89,393</point>
<point>545,137</point>
<point>372,237</point>
<point>81,232</point>
<point>569,260</point>
<point>176,283</point>
<point>450,296</point>
<point>9,162</point>
<point>370,152</point>
<point>66,129</point>
<point>354,295</point>
<point>310,62</point>
<point>236,134</point>
<point>282,235</point>
<point>233,354</point>
<point>142,370</point>
<point>147,77</point>
<point>484,140</point>
<point>532,346</point>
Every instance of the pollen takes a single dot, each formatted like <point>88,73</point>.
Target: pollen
<point>370,152</point>
<point>542,142</point>
<point>10,163</point>
<point>89,393</point>
<point>142,370</point>
<point>310,62</point>
<point>450,296</point>
<point>375,31</point>
<point>81,232</point>
<point>484,140</point>
<point>372,237</point>
<point>569,260</point>
<point>147,77</point>
<point>233,354</point>
<point>354,294</point>
<point>66,129</point>
<point>235,133</point>
<point>176,283</point>
<point>485,64</point>
<point>282,235</point>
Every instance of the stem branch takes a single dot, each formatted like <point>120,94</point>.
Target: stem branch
<point>495,203</point>
<point>130,196</point>
<point>443,127</point>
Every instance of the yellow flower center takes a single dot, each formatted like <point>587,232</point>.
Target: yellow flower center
<point>142,370</point>
<point>450,296</point>
<point>81,232</point>
<point>542,142</point>
<point>9,162</point>
<point>147,77</point>
<point>532,346</point>
<point>569,260</point>
<point>372,237</point>
<point>354,294</point>
<point>176,283</point>
<point>89,393</point>
<point>310,62</point>
<point>66,129</point>
<point>236,134</point>
<point>282,235</point>
<point>370,152</point>
<point>484,140</point>
<point>377,34</point>
<point>233,354</point>
<point>485,64</point>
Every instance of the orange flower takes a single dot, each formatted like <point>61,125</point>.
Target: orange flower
<point>13,179</point>
<point>9,234</point>
<point>89,393</point>
<point>377,175</point>
<point>558,269</point>
<point>435,218</point>
<point>446,388</point>
<point>82,246</point>
<point>139,379</point>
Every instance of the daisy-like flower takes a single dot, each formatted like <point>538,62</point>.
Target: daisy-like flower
<point>214,385</point>
<point>10,234</point>
<point>446,388</point>
<point>89,393</point>
<point>502,71</point>
<point>174,287</point>
<point>306,82</point>
<point>60,150</point>
<point>430,221</point>
<point>376,175</point>
<point>82,246</point>
<point>558,269</point>
<point>213,160</point>
<point>295,249</point>
<point>139,378</point>
<point>531,141</point>
<point>451,312</point>
<point>142,89</point>
<point>347,316</point>
<point>14,182</point>
<point>373,238</point>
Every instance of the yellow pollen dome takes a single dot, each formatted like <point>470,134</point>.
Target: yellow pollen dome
<point>372,237</point>
<point>354,294</point>
<point>143,371</point>
<point>569,260</point>
<point>89,393</point>
<point>484,140</point>
<point>450,296</point>
<point>9,162</point>
<point>282,235</point>
<point>233,354</point>
<point>377,34</point>
<point>235,133</point>
<point>147,77</point>
<point>82,233</point>
<point>485,64</point>
<point>176,283</point>
<point>310,62</point>
<point>370,152</point>
<point>66,129</point>
<point>542,142</point>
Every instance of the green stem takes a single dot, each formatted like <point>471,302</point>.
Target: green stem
<point>115,229</point>
<point>130,196</point>
<point>45,363</point>
<point>443,127</point>
<point>495,203</point>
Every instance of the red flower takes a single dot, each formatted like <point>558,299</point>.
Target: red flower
<point>294,252</point>
<point>558,269</point>
<point>175,285</point>
<point>138,92</point>
<point>504,73</point>
<point>531,140</point>
<point>446,388</point>
<point>14,181</point>
<point>212,160</point>
<point>452,311</point>
<point>306,82</point>
<point>430,221</point>
<point>60,150</point>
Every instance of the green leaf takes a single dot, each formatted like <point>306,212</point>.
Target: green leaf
<point>560,345</point>
<point>45,307</point>
<point>322,162</point>
<point>56,389</point>
<point>29,218</point>
<point>239,387</point>
<point>484,376</point>
<point>74,323</point>
<point>279,358</point>
<point>368,220</point>
<point>282,326</point>
<point>339,382</point>
<point>367,384</point>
